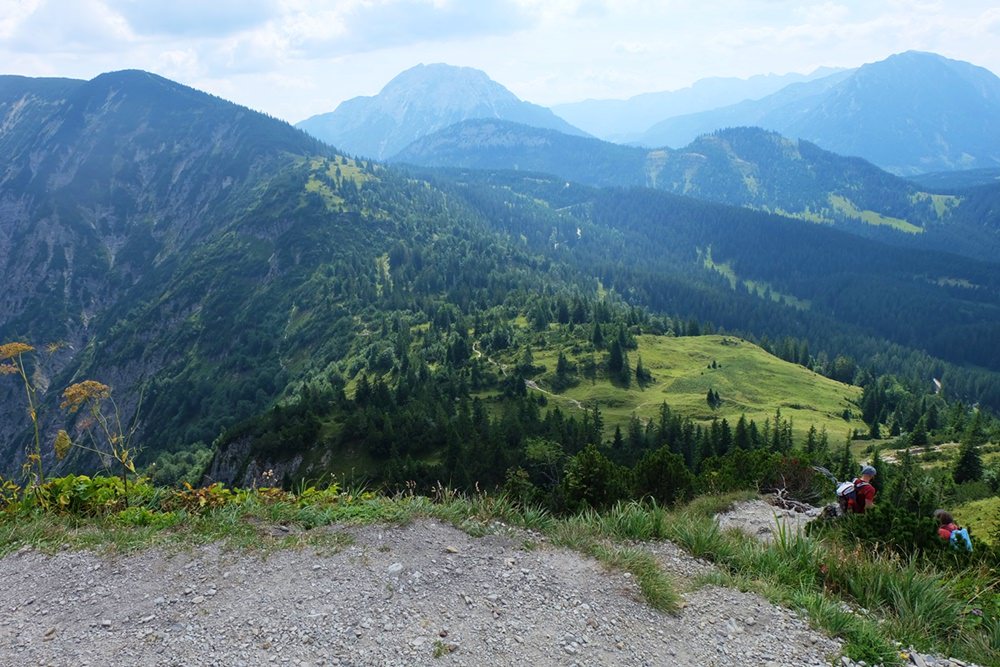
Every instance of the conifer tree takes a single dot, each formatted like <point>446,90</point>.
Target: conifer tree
<point>742,438</point>
<point>642,376</point>
<point>919,436</point>
<point>597,336</point>
<point>969,467</point>
<point>846,466</point>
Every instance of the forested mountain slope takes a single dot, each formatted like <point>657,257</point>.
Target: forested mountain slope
<point>211,264</point>
<point>740,166</point>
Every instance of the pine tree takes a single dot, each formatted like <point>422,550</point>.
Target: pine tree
<point>846,466</point>
<point>811,442</point>
<point>919,436</point>
<point>642,376</point>
<point>625,374</point>
<point>597,336</point>
<point>615,359</point>
<point>742,437</point>
<point>970,462</point>
<point>725,443</point>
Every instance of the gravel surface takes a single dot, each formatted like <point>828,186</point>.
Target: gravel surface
<point>763,520</point>
<point>423,594</point>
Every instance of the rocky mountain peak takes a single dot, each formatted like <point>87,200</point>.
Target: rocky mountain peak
<point>419,102</point>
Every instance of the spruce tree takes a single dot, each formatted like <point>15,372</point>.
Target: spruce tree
<point>969,467</point>
<point>642,376</point>
<point>597,336</point>
<point>919,436</point>
<point>615,359</point>
<point>811,440</point>
<point>846,466</point>
<point>742,437</point>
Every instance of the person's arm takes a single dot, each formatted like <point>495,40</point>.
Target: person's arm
<point>870,498</point>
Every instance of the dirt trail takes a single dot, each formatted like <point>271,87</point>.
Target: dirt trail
<point>423,594</point>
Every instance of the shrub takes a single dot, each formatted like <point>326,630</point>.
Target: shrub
<point>143,517</point>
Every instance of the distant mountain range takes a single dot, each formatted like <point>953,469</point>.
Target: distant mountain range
<point>625,120</point>
<point>910,113</point>
<point>419,101</point>
<point>747,167</point>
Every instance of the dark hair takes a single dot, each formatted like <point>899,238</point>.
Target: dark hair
<point>943,517</point>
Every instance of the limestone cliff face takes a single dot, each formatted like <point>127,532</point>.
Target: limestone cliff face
<point>107,187</point>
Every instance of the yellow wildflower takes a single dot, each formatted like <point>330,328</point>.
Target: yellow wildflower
<point>62,444</point>
<point>77,394</point>
<point>8,350</point>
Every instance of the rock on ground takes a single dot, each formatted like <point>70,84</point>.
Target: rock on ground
<point>763,520</point>
<point>422,594</point>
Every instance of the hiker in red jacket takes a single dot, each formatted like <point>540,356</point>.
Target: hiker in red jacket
<point>946,524</point>
<point>864,492</point>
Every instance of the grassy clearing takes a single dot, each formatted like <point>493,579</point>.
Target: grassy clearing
<point>847,207</point>
<point>942,204</point>
<point>749,380</point>
<point>760,288</point>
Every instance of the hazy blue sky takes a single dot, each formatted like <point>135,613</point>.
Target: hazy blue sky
<point>295,58</point>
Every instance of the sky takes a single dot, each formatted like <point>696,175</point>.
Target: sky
<point>296,58</point>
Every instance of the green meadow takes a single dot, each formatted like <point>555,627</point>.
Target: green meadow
<point>749,381</point>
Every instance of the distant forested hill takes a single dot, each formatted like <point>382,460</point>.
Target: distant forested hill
<point>746,167</point>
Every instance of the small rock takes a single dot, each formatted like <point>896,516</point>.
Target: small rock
<point>394,569</point>
<point>451,550</point>
<point>105,623</point>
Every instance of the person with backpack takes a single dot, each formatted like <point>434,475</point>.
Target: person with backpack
<point>862,497</point>
<point>950,531</point>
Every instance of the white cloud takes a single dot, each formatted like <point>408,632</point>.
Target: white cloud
<point>198,18</point>
<point>356,27</point>
<point>82,26</point>
<point>294,58</point>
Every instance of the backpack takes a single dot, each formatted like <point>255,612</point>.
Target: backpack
<point>847,494</point>
<point>960,539</point>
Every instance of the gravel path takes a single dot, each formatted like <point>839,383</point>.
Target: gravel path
<point>423,594</point>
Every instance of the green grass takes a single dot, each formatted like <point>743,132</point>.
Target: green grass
<point>847,207</point>
<point>982,517</point>
<point>757,287</point>
<point>942,204</point>
<point>749,380</point>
